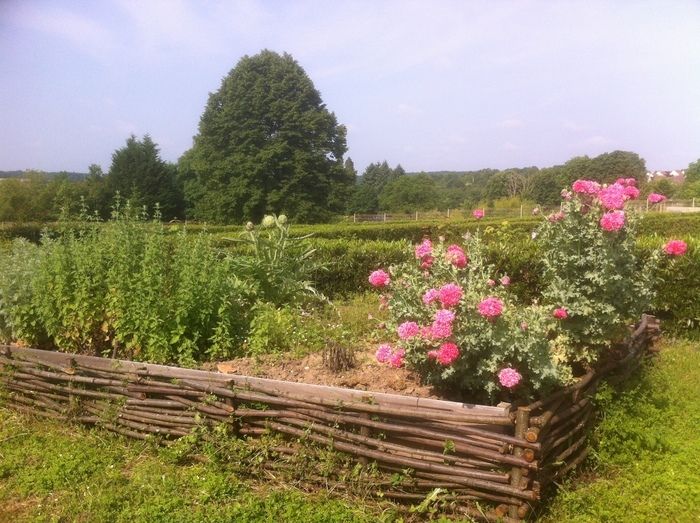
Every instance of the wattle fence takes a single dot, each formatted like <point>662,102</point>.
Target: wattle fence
<point>502,457</point>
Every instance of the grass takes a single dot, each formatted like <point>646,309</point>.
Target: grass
<point>647,449</point>
<point>645,468</point>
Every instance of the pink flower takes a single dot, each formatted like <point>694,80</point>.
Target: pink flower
<point>523,325</point>
<point>509,377</point>
<point>408,329</point>
<point>444,316</point>
<point>556,217</point>
<point>655,198</point>
<point>490,307</point>
<point>613,221</point>
<point>379,278</point>
<point>430,296</point>
<point>612,197</point>
<point>440,330</point>
<point>396,359</point>
<point>586,187</point>
<point>630,182</point>
<point>455,255</point>
<point>424,249</point>
<point>450,294</point>
<point>427,262</point>
<point>561,313</point>
<point>505,280</point>
<point>446,354</point>
<point>384,353</point>
<point>426,332</point>
<point>490,282</point>
<point>631,192</point>
<point>676,248</point>
<point>478,214</point>
<point>566,195</point>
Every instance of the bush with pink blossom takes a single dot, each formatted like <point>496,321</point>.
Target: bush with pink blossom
<point>459,326</point>
<point>595,279</point>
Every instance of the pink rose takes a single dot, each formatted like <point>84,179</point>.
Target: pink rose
<point>676,248</point>
<point>450,294</point>
<point>444,316</point>
<point>613,221</point>
<point>655,198</point>
<point>396,359</point>
<point>456,256</point>
<point>612,197</point>
<point>430,296</point>
<point>556,217</point>
<point>446,354</point>
<point>384,353</point>
<point>505,280</point>
<point>408,329</point>
<point>586,187</point>
<point>426,262</point>
<point>478,214</point>
<point>424,249</point>
<point>561,313</point>
<point>631,192</point>
<point>509,377</point>
<point>490,307</point>
<point>440,330</point>
<point>379,278</point>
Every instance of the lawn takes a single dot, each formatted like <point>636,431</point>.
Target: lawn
<point>647,448</point>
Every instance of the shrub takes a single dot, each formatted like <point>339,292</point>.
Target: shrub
<point>126,288</point>
<point>459,325</point>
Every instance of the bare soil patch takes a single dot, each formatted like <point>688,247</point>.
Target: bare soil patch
<point>367,374</point>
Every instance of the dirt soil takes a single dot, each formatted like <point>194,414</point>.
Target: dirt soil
<point>367,374</point>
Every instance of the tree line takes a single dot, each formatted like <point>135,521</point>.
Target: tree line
<point>266,144</point>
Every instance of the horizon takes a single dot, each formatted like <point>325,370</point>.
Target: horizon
<point>454,86</point>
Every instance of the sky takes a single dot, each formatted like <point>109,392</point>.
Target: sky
<point>432,85</point>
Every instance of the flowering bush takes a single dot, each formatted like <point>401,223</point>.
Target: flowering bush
<point>455,321</point>
<point>595,279</point>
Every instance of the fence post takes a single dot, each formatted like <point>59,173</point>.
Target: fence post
<point>522,422</point>
<point>384,217</point>
<point>448,211</point>
<point>521,210</point>
<point>416,215</point>
<point>647,205</point>
<point>354,217</point>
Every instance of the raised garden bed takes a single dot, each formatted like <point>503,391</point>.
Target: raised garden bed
<point>502,456</point>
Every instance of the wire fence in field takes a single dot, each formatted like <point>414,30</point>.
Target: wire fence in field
<point>668,206</point>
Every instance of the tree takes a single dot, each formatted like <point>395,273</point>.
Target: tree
<point>375,178</point>
<point>266,144</point>
<point>692,173</point>
<point>138,174</point>
<point>409,194</point>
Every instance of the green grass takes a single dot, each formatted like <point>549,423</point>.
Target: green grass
<point>645,468</point>
<point>53,473</point>
<point>646,465</point>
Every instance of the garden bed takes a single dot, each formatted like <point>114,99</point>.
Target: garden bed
<point>503,456</point>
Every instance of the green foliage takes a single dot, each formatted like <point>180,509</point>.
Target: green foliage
<point>266,144</point>
<point>377,176</point>
<point>409,194</point>
<point>138,174</point>
<point>596,275</point>
<point>523,337</point>
<point>50,472</point>
<point>127,288</point>
<point>646,448</point>
<point>279,264</point>
<point>692,173</point>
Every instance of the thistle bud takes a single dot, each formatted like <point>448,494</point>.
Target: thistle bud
<point>282,219</point>
<point>268,221</point>
<point>249,226</point>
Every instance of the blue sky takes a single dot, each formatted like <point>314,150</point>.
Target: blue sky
<point>433,85</point>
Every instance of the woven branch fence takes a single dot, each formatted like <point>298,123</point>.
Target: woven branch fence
<point>501,457</point>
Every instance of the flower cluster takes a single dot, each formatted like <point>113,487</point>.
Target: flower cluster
<point>451,321</point>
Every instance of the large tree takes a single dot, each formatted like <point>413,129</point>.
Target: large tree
<point>266,143</point>
<point>138,174</point>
